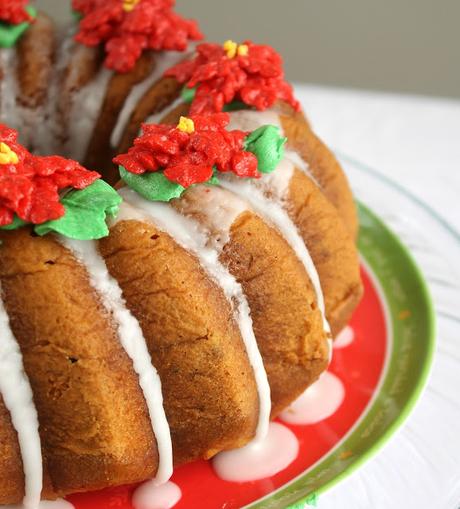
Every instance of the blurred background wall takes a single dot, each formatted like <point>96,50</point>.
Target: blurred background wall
<point>408,46</point>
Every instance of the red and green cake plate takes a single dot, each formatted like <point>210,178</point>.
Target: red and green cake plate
<point>383,370</point>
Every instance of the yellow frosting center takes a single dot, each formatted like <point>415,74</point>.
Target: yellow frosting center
<point>232,49</point>
<point>186,125</point>
<point>128,5</point>
<point>7,156</point>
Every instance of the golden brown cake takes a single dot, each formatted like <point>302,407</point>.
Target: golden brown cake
<point>170,320</point>
<point>287,322</point>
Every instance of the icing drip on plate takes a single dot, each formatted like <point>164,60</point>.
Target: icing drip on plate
<point>321,400</point>
<point>46,504</point>
<point>151,496</point>
<point>18,398</point>
<point>133,341</point>
<point>344,338</point>
<point>186,232</point>
<point>260,458</point>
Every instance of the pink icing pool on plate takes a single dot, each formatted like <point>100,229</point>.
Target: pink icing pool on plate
<point>260,458</point>
<point>151,496</point>
<point>344,338</point>
<point>318,402</point>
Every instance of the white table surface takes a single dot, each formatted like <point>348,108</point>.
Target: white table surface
<point>414,141</point>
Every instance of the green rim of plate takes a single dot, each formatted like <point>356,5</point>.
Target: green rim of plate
<point>411,323</point>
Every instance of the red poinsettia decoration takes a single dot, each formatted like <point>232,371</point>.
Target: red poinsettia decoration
<point>30,185</point>
<point>251,73</point>
<point>128,27</point>
<point>188,153</point>
<point>14,11</point>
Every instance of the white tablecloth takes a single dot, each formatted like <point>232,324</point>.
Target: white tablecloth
<point>415,141</point>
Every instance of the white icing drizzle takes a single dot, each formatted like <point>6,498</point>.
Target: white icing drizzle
<point>85,107</point>
<point>18,398</point>
<point>150,496</point>
<point>133,342</point>
<point>250,120</point>
<point>275,213</point>
<point>300,164</point>
<point>47,140</point>
<point>276,184</point>
<point>267,194</point>
<point>8,89</point>
<point>163,61</point>
<point>277,181</point>
<point>188,234</point>
<point>216,209</point>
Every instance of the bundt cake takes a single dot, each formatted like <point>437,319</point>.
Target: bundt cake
<point>248,81</point>
<point>170,319</point>
<point>202,288</point>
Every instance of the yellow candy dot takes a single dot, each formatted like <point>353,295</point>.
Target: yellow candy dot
<point>186,125</point>
<point>7,156</point>
<point>243,50</point>
<point>128,5</point>
<point>230,48</point>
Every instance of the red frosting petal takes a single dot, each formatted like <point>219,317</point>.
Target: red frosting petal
<point>257,79</point>
<point>187,174</point>
<point>14,11</point>
<point>150,24</point>
<point>189,158</point>
<point>30,187</point>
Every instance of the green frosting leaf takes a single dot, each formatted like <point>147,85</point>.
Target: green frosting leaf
<point>86,211</point>
<point>188,94</point>
<point>236,106</point>
<point>153,186</point>
<point>9,34</point>
<point>214,180</point>
<point>15,224</point>
<point>267,144</point>
<point>77,16</point>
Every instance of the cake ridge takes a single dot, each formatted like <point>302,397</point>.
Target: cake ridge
<point>275,214</point>
<point>186,232</point>
<point>133,342</point>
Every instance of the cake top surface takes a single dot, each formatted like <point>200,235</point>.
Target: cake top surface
<point>220,74</point>
<point>51,193</point>
<point>165,159</point>
<point>127,28</point>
